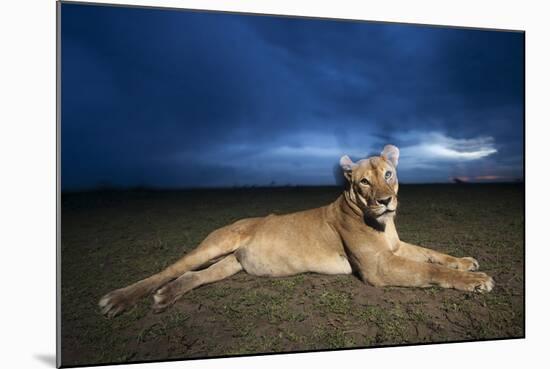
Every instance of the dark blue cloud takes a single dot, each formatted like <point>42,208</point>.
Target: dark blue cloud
<point>184,99</point>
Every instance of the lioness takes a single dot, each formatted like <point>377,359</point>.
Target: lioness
<point>354,233</point>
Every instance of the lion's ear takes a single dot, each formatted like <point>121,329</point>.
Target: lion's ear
<point>391,154</point>
<point>347,166</point>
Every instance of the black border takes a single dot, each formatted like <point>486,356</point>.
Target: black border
<point>59,4</point>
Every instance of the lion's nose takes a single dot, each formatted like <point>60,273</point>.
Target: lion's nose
<point>385,201</point>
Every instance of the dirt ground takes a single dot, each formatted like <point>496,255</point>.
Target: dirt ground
<point>113,238</point>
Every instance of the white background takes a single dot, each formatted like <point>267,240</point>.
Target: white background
<point>27,193</point>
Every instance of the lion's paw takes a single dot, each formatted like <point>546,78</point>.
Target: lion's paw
<point>116,302</point>
<point>468,264</point>
<point>163,299</point>
<point>475,282</point>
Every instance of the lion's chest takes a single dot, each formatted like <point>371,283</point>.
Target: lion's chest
<point>392,239</point>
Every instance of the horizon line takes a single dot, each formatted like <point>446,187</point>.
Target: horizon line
<point>254,187</point>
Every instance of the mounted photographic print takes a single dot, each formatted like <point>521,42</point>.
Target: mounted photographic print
<point>245,184</point>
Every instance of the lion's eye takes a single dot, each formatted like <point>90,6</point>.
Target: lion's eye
<point>388,174</point>
<point>365,181</point>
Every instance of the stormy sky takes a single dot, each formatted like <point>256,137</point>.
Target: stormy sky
<point>179,99</point>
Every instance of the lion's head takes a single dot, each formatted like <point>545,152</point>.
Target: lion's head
<point>372,184</point>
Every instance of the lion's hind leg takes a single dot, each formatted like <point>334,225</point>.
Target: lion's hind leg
<point>172,291</point>
<point>219,243</point>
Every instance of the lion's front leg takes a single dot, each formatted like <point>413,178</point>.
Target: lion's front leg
<point>393,270</point>
<point>422,254</point>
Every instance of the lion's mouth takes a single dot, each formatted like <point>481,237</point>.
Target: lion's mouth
<point>380,211</point>
<point>385,212</point>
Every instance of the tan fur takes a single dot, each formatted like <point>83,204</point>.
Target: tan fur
<point>355,232</point>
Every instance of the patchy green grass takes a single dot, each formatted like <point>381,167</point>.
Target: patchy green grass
<point>111,239</point>
<point>331,338</point>
<point>334,302</point>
